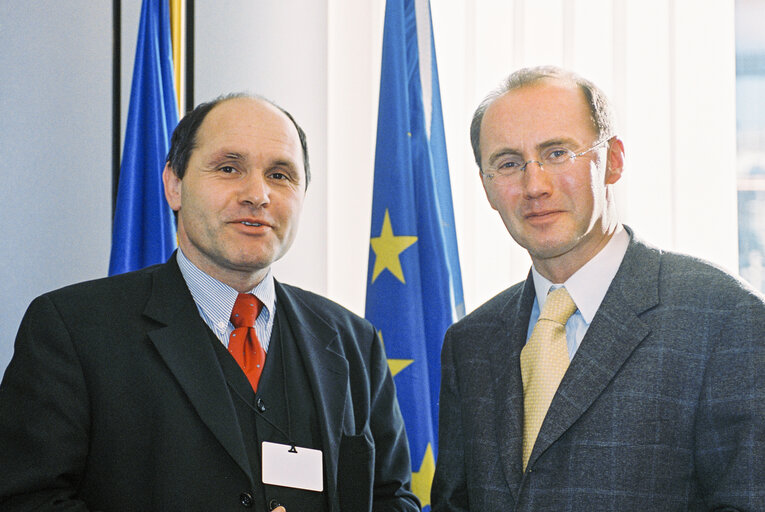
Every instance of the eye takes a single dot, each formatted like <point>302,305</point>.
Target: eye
<point>227,169</point>
<point>283,176</point>
<point>278,175</point>
<point>557,155</point>
<point>510,164</point>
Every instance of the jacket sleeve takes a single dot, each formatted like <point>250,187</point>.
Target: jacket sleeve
<point>730,423</point>
<point>43,416</point>
<point>393,473</point>
<point>449,492</point>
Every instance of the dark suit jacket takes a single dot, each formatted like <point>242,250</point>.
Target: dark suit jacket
<point>115,400</point>
<point>662,407</point>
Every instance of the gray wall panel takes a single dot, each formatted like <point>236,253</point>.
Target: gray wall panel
<point>55,150</point>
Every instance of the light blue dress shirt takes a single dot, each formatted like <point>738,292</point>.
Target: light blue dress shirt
<point>215,301</point>
<point>587,287</point>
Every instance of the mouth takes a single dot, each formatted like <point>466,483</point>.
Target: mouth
<point>251,223</point>
<point>541,214</point>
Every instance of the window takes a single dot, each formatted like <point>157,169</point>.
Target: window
<point>750,139</point>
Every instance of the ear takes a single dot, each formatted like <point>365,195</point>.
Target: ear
<point>172,188</point>
<point>614,161</point>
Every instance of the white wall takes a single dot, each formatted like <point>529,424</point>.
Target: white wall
<point>55,150</point>
<point>278,50</point>
<point>670,76</point>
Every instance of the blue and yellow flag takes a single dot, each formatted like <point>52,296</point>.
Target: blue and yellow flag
<point>414,289</point>
<point>144,229</point>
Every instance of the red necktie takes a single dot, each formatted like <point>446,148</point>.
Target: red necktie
<point>243,343</point>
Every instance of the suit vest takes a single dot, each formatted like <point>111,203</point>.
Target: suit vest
<point>283,410</point>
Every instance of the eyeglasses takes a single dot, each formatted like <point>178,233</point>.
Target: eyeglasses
<point>555,160</point>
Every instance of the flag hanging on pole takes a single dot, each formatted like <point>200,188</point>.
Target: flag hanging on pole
<point>144,229</point>
<point>414,288</point>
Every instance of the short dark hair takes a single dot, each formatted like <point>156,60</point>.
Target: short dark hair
<point>601,112</point>
<point>184,139</point>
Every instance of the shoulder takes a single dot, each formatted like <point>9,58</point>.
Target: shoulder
<point>683,266</point>
<point>110,308</point>
<point>672,277</point>
<point>697,281</point>
<point>120,291</point>
<point>327,310</point>
<point>705,287</point>
<point>488,315</point>
<point>341,331</point>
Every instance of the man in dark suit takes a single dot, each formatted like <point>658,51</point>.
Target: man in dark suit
<point>126,394</point>
<point>642,386</point>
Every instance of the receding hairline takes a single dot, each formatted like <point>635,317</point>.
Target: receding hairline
<point>545,81</point>
<point>268,104</point>
<point>601,111</point>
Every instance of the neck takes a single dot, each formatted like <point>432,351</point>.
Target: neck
<point>243,283</point>
<point>560,268</point>
<point>240,280</point>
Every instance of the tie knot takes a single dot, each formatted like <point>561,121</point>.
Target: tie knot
<point>558,307</point>
<point>246,310</point>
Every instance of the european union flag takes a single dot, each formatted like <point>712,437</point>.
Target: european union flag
<point>144,229</point>
<point>414,289</point>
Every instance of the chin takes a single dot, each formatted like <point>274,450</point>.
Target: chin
<point>249,262</point>
<point>549,249</point>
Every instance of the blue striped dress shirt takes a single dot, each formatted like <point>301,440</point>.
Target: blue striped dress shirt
<point>215,300</point>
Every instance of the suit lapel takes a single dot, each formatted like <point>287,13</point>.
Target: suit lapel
<point>615,332</point>
<point>183,342</point>
<point>327,372</point>
<point>506,345</point>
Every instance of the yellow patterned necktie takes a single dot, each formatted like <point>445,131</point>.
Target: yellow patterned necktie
<point>544,360</point>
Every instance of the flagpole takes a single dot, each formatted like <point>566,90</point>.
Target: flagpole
<point>116,98</point>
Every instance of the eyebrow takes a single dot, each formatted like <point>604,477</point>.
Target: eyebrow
<point>225,155</point>
<point>561,141</point>
<point>502,153</point>
<point>283,163</point>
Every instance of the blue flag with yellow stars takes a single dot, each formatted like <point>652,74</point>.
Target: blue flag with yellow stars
<point>144,229</point>
<point>414,288</point>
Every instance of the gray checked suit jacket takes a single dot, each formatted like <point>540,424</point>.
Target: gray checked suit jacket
<point>661,409</point>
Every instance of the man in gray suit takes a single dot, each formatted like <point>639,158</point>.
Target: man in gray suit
<point>660,401</point>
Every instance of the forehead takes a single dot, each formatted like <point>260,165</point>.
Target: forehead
<point>248,125</point>
<point>544,110</point>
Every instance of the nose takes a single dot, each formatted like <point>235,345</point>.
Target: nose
<point>254,190</point>
<point>536,182</point>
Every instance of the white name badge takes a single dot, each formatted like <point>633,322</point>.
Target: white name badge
<point>300,469</point>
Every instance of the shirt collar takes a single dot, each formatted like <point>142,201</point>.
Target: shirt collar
<point>216,299</point>
<point>588,285</point>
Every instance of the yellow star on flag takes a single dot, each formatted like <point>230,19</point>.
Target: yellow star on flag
<point>395,365</point>
<point>387,248</point>
<point>422,480</point>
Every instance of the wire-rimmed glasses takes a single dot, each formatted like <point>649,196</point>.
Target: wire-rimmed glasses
<point>555,159</point>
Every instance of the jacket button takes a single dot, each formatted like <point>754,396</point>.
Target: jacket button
<point>272,504</point>
<point>261,407</point>
<point>246,499</point>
